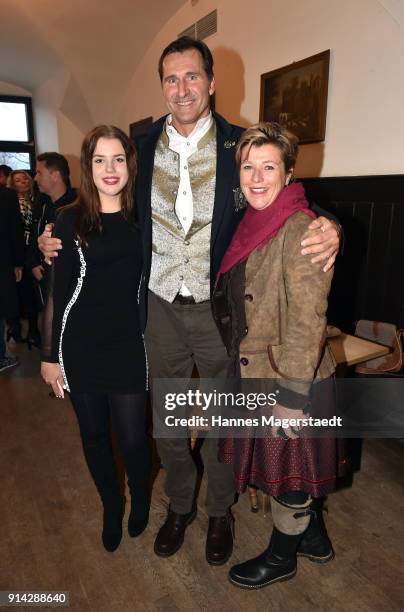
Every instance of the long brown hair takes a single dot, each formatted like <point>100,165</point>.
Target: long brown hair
<point>88,203</point>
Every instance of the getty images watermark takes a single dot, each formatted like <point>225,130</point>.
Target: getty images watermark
<point>343,408</point>
<point>227,407</point>
<point>208,402</point>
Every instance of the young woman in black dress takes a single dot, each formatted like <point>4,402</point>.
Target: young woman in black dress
<point>92,341</point>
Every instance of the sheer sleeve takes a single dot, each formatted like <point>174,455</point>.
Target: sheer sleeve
<point>60,276</point>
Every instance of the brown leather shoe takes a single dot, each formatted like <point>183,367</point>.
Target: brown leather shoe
<point>171,535</point>
<point>219,543</point>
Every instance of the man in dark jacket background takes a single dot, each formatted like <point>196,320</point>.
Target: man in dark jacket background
<point>53,180</point>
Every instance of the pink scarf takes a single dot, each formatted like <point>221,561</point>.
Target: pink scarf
<point>258,227</point>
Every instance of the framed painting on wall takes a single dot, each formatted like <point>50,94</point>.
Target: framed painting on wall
<point>296,97</point>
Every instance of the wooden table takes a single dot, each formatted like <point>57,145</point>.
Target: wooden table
<point>350,350</point>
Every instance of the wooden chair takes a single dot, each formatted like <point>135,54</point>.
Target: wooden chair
<point>388,335</point>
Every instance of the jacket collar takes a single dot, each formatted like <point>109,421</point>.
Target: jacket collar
<point>226,140</point>
<point>153,134</point>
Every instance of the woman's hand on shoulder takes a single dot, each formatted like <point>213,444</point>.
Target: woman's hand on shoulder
<point>52,375</point>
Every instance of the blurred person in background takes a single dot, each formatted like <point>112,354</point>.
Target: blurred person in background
<point>5,171</point>
<point>53,180</point>
<point>11,263</point>
<point>21,182</point>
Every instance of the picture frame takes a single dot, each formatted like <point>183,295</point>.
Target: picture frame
<point>296,97</point>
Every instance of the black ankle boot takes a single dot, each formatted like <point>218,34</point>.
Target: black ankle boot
<point>315,543</point>
<point>139,512</point>
<point>100,462</point>
<point>277,563</point>
<point>112,525</point>
<point>14,333</point>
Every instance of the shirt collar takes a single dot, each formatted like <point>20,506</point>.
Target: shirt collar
<point>201,128</point>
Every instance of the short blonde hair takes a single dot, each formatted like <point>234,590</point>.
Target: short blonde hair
<point>270,133</point>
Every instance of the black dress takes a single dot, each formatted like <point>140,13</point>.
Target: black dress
<point>91,322</point>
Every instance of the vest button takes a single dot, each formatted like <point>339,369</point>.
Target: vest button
<point>187,242</point>
<point>181,277</point>
<point>246,330</point>
<point>248,297</point>
<point>244,361</point>
<point>186,260</point>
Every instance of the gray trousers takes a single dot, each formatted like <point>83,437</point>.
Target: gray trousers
<point>177,338</point>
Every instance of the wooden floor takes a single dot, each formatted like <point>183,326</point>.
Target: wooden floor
<point>50,528</point>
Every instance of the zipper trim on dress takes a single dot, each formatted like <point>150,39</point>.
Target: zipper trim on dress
<point>68,308</point>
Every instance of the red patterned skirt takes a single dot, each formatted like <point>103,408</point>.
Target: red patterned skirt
<point>277,466</point>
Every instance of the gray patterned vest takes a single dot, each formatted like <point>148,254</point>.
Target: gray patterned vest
<point>177,256</point>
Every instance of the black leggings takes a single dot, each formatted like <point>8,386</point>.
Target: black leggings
<point>127,414</point>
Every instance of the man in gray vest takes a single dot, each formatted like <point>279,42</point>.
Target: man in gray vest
<point>185,202</point>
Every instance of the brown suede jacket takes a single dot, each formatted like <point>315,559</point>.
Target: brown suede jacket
<point>285,307</point>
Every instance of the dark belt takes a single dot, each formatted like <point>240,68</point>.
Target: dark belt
<point>186,300</point>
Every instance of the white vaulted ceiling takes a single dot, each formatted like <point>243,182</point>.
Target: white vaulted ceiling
<point>95,44</point>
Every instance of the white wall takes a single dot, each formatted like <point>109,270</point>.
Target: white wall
<point>365,130</point>
<point>70,138</point>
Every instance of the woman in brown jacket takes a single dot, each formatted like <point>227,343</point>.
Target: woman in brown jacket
<point>270,304</point>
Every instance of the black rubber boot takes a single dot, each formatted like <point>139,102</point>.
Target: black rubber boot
<point>276,564</point>
<point>315,543</point>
